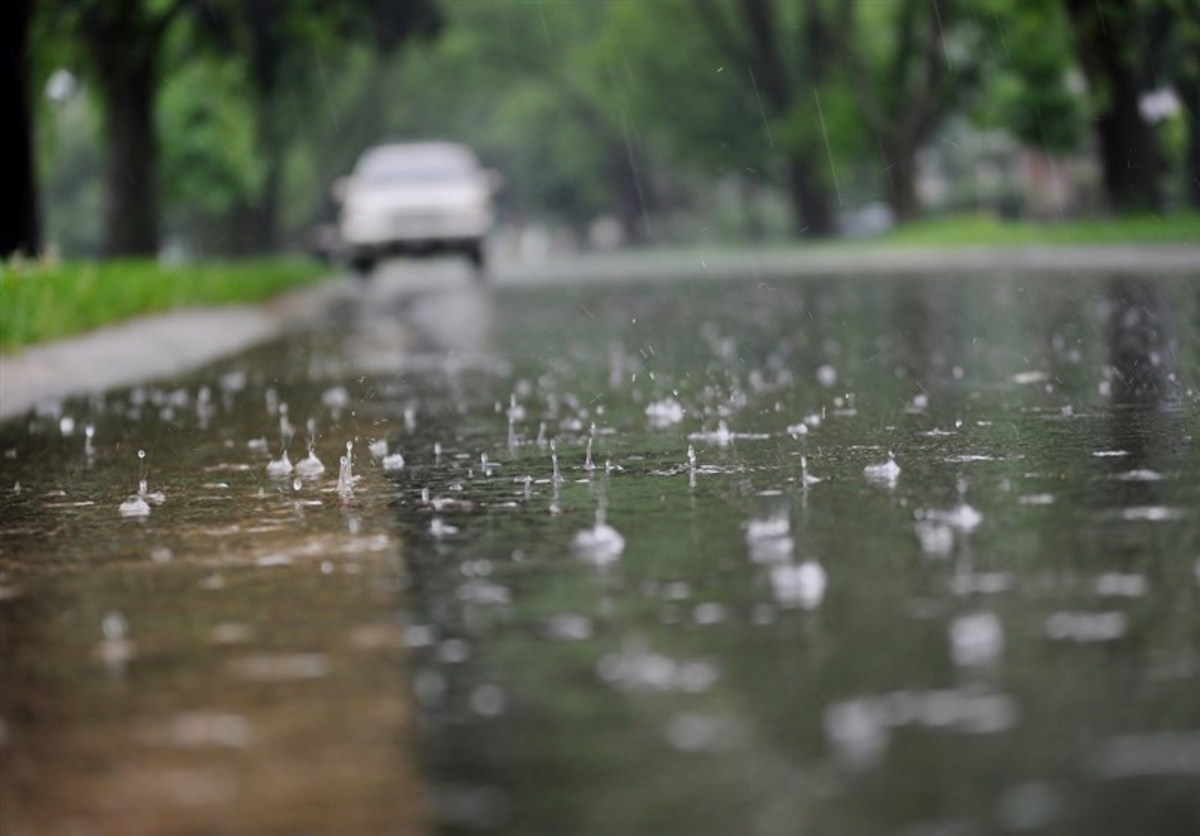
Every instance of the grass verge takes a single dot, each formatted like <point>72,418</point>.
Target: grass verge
<point>45,302</point>
<point>989,231</point>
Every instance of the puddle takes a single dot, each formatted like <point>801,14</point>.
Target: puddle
<point>717,558</point>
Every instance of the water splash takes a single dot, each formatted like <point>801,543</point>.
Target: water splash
<point>601,544</point>
<point>799,585</point>
<point>556,478</point>
<point>883,474</point>
<point>664,413</point>
<point>393,461</point>
<point>346,470</point>
<point>807,478</point>
<point>310,467</point>
<point>280,467</point>
<point>138,505</point>
<point>976,639</point>
<point>440,529</point>
<point>115,647</point>
<point>722,436</point>
<point>770,540</point>
<point>134,506</point>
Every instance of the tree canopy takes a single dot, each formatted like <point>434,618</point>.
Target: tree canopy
<point>221,124</point>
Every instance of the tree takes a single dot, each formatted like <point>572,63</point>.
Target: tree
<point>1109,43</point>
<point>1178,27</point>
<point>122,44</point>
<point>532,86</point>
<point>908,83</point>
<point>1029,93</point>
<point>277,39</point>
<point>20,228</point>
<point>788,55</point>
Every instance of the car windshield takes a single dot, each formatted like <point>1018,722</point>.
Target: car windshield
<point>389,167</point>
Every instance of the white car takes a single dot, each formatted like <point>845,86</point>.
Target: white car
<point>415,198</point>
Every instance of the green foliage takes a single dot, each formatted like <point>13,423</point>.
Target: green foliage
<point>209,161</point>
<point>603,107</point>
<point>1030,93</point>
<point>40,302</point>
<point>987,230</point>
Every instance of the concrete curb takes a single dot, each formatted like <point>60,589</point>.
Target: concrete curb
<point>151,347</point>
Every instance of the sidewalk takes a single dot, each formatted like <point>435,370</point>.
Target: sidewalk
<point>151,347</point>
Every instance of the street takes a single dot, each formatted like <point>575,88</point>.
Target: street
<point>911,552</point>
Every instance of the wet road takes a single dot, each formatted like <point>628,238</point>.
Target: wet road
<point>882,554</point>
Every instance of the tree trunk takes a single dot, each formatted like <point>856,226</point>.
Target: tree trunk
<point>1190,94</point>
<point>1129,154</point>
<point>131,220</point>
<point>20,228</point>
<point>753,227</point>
<point>265,23</point>
<point>810,199</point>
<point>628,192</point>
<point>902,183</point>
<point>266,210</point>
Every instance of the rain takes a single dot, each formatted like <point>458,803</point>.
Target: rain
<point>785,447</point>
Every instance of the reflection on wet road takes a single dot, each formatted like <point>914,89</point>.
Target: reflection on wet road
<point>915,555</point>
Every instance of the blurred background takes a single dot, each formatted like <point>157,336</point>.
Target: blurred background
<point>195,128</point>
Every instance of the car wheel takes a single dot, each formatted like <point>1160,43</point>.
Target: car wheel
<point>362,265</point>
<point>474,253</point>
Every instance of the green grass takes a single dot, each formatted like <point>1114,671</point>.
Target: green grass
<point>45,302</point>
<point>983,230</point>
